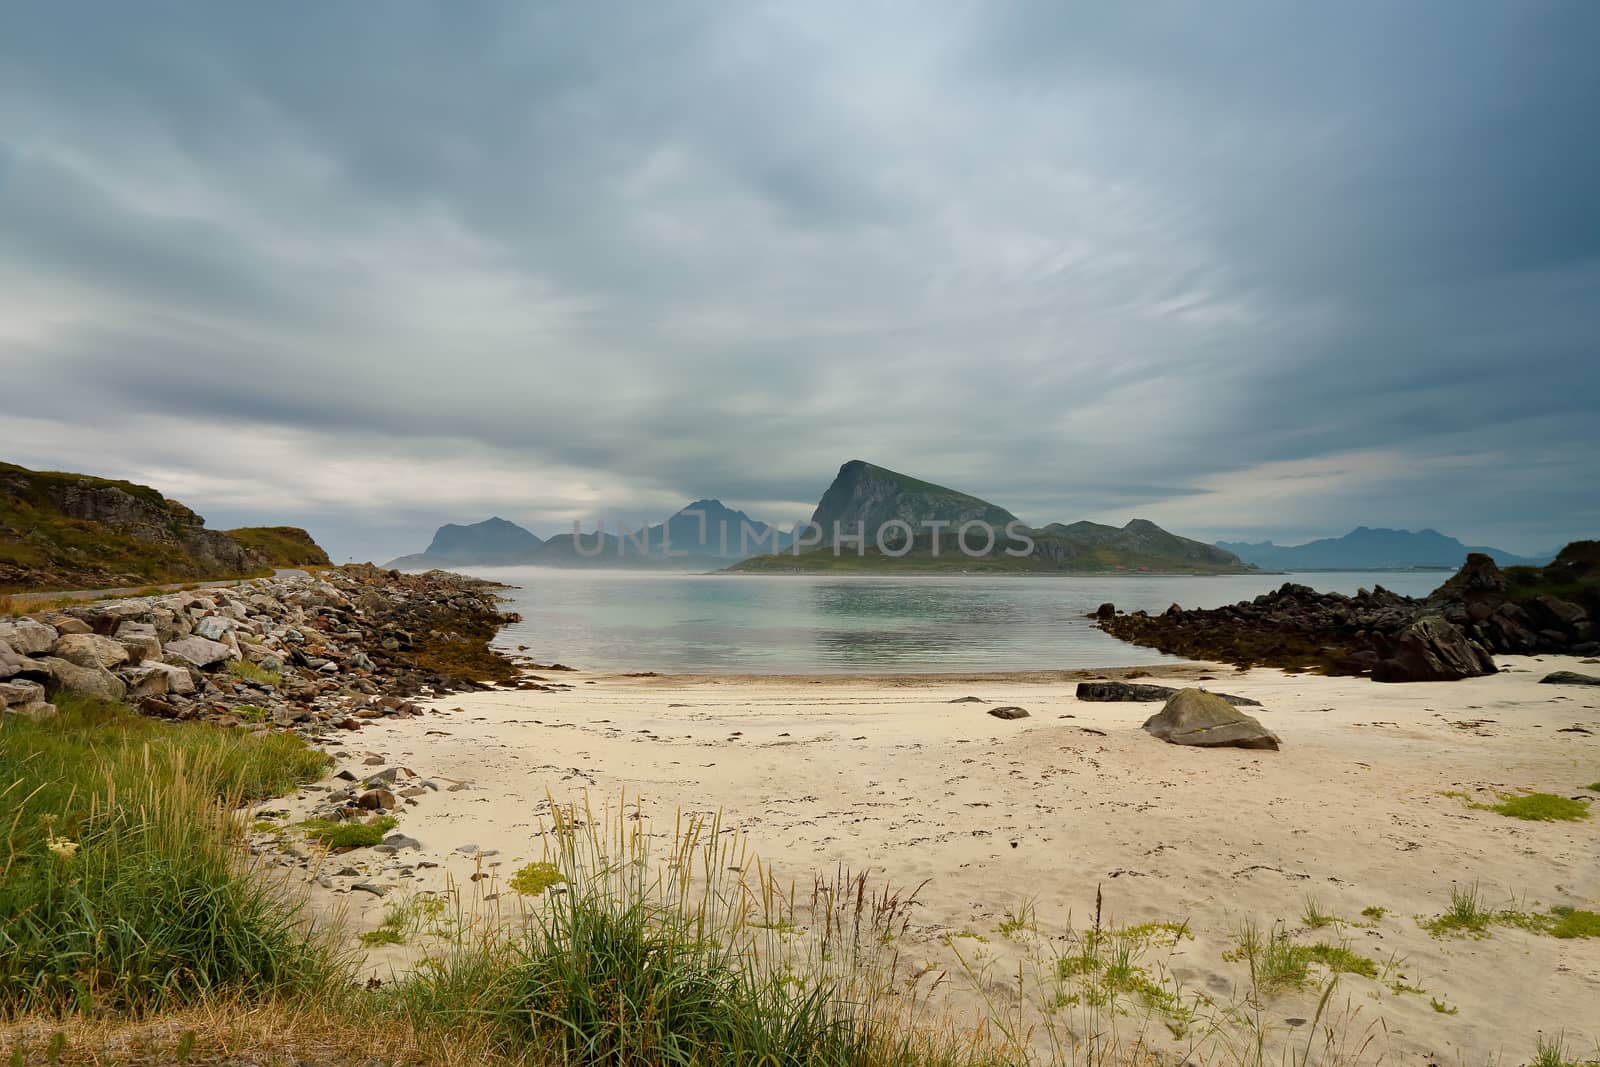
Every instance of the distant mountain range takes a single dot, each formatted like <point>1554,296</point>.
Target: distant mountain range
<point>923,523</point>
<point>704,535</point>
<point>927,528</point>
<point>1367,549</point>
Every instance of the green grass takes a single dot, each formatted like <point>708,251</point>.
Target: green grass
<point>1541,807</point>
<point>1315,917</point>
<point>244,670</point>
<point>1593,787</point>
<point>402,919</point>
<point>350,834</point>
<point>1553,1053</point>
<point>1571,923</point>
<point>122,886</point>
<point>645,962</point>
<point>1442,1008</point>
<point>1277,962</point>
<point>1534,807</point>
<point>1374,912</point>
<point>1469,916</point>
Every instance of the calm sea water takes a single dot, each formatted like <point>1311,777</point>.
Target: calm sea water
<point>779,624</point>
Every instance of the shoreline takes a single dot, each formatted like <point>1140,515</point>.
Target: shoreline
<point>884,774</point>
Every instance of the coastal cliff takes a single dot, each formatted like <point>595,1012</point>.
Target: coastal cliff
<point>75,531</point>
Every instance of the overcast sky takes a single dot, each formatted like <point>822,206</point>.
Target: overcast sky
<point>1246,269</point>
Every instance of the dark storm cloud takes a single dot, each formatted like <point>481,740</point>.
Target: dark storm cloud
<point>1258,270</point>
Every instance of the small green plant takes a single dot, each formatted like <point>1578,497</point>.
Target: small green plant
<point>1015,922</point>
<point>1593,787</point>
<point>1466,914</point>
<point>1374,912</point>
<point>1541,807</point>
<point>1442,1008</point>
<point>535,878</point>
<point>1572,923</point>
<point>383,935</point>
<point>1274,963</point>
<point>1341,960</point>
<point>1280,963</point>
<point>1315,917</point>
<point>252,712</point>
<point>401,919</point>
<point>350,834</point>
<point>246,671</point>
<point>1553,1053</point>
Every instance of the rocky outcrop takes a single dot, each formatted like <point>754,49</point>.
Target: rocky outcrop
<point>1433,650</point>
<point>1110,692</point>
<point>1478,612</point>
<point>1195,717</point>
<point>309,652</point>
<point>71,531</point>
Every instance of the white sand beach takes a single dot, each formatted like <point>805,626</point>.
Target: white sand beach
<point>1029,818</point>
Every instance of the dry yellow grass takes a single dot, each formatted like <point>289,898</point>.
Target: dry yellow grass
<point>261,1034</point>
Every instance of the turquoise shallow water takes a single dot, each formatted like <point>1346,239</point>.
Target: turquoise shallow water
<point>782,624</point>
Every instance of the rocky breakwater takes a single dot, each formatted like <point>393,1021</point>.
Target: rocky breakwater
<point>311,653</point>
<point>1452,633</point>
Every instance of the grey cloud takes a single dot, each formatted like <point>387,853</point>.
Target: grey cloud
<point>1084,260</point>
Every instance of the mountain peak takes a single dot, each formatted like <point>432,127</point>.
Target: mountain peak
<point>864,495</point>
<point>494,540</point>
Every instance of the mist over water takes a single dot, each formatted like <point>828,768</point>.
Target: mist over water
<point>782,624</point>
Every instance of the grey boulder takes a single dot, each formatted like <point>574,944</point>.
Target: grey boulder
<point>1196,717</point>
<point>1569,678</point>
<point>15,694</point>
<point>149,680</point>
<point>28,637</point>
<point>91,650</point>
<point>199,651</point>
<point>213,627</point>
<point>12,662</point>
<point>95,681</point>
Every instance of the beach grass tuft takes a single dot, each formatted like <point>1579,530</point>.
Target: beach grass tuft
<point>1315,917</point>
<point>354,834</point>
<point>124,884</point>
<point>1541,807</point>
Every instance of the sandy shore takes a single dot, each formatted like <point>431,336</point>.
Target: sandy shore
<point>1033,815</point>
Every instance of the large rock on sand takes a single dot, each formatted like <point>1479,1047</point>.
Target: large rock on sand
<point>1569,678</point>
<point>1196,717</point>
<point>1127,691</point>
<point>1432,649</point>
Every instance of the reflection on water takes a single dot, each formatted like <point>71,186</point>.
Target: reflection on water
<point>770,624</point>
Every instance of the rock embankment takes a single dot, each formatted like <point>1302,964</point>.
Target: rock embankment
<point>1452,633</point>
<point>333,649</point>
